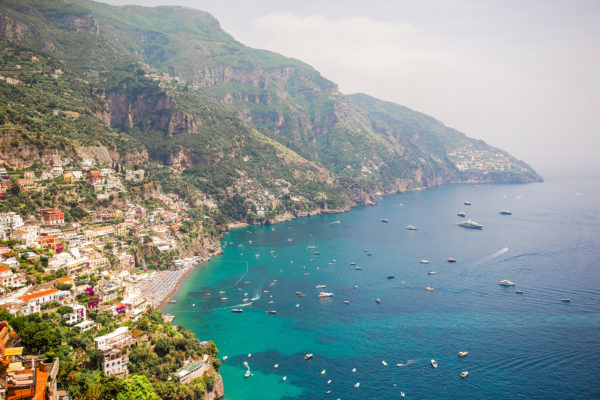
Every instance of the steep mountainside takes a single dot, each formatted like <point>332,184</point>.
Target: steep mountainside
<point>169,84</point>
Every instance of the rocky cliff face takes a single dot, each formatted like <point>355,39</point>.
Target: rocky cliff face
<point>218,390</point>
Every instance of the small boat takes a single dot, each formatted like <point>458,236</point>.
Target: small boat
<point>352,263</point>
<point>238,310</point>
<point>462,353</point>
<point>308,356</point>
<point>429,289</point>
<point>470,224</point>
<point>518,291</point>
<point>249,355</point>
<point>194,305</point>
<point>451,260</point>
<point>424,261</point>
<point>321,286</point>
<point>505,212</point>
<point>316,253</point>
<point>297,305</point>
<point>389,277</point>
<point>325,294</point>
<point>245,364</point>
<point>434,364</point>
<point>431,273</point>
<point>300,294</point>
<point>467,203</point>
<point>284,378</point>
<point>224,298</point>
<point>506,282</point>
<point>323,372</point>
<point>221,292</point>
<point>385,221</point>
<point>247,374</point>
<point>225,358</point>
<point>464,374</point>
<point>461,214</point>
<point>378,301</point>
<point>329,381</point>
<point>276,366</point>
<point>353,369</point>
<point>327,392</point>
<point>384,363</point>
<point>346,302</point>
<point>402,394</point>
<point>358,268</point>
<point>565,300</point>
<point>357,384</point>
<point>272,312</point>
<point>411,228</point>
<point>400,365</point>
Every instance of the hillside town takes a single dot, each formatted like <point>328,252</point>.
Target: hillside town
<point>101,271</point>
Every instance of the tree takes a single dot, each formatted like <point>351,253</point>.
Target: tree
<point>137,387</point>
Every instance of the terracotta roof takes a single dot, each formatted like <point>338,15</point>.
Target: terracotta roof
<point>4,269</point>
<point>64,279</point>
<point>37,294</point>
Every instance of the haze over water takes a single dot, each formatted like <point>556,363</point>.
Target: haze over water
<point>529,345</point>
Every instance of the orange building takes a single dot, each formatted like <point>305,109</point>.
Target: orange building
<point>48,241</point>
<point>26,184</point>
<point>53,216</point>
<point>27,378</point>
<point>96,176</point>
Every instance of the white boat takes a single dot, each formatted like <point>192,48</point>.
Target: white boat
<point>321,286</point>
<point>378,301</point>
<point>464,374</point>
<point>518,291</point>
<point>434,364</point>
<point>431,273</point>
<point>505,212</point>
<point>245,363</point>
<point>284,378</point>
<point>329,381</point>
<point>470,224</point>
<point>276,366</point>
<point>411,228</point>
<point>424,261</point>
<point>467,203</point>
<point>384,363</point>
<point>429,289</point>
<point>400,365</point>
<point>225,358</point>
<point>308,356</point>
<point>402,394</point>
<point>357,384</point>
<point>325,294</point>
<point>249,355</point>
<point>353,369</point>
<point>247,374</point>
<point>323,372</point>
<point>346,302</point>
<point>461,214</point>
<point>462,353</point>
<point>565,300</point>
<point>506,282</point>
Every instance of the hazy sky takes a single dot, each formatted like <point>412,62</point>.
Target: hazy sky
<point>521,75</point>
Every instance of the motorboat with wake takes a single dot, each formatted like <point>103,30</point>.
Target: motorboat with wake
<point>470,224</point>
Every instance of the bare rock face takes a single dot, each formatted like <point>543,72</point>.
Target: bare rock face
<point>84,23</point>
<point>218,390</point>
<point>99,153</point>
<point>182,159</point>
<point>147,110</point>
<point>180,123</point>
<point>11,30</point>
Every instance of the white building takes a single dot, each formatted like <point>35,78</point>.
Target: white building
<point>120,337</point>
<point>11,219</point>
<point>9,279</point>
<point>77,315</point>
<point>114,362</point>
<point>33,302</point>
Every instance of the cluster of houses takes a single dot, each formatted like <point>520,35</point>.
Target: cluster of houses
<point>69,254</point>
<point>468,158</point>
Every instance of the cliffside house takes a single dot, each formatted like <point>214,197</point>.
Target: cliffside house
<point>114,362</point>
<point>26,184</point>
<point>33,302</point>
<point>53,216</point>
<point>9,279</point>
<point>120,337</point>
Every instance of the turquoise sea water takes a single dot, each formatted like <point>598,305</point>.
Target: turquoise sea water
<point>529,345</point>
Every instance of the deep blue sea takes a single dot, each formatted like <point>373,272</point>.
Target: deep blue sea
<point>530,345</point>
